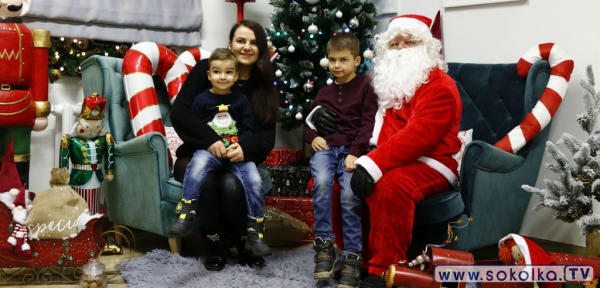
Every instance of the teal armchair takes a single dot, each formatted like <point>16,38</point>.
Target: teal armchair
<point>495,100</point>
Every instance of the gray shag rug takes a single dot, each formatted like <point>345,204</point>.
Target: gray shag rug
<point>160,268</point>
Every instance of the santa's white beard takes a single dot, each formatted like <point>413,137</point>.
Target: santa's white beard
<point>19,214</point>
<point>398,74</point>
<point>222,123</point>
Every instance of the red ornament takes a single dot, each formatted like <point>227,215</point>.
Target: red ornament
<point>66,47</point>
<point>240,6</point>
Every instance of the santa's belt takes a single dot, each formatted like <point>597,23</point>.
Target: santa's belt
<point>8,87</point>
<point>92,167</point>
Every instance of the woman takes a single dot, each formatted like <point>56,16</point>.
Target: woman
<point>222,205</point>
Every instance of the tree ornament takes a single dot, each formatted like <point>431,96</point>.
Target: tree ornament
<point>82,44</point>
<point>291,49</point>
<point>339,14</point>
<point>324,62</point>
<point>55,74</point>
<point>278,73</point>
<point>307,64</point>
<point>66,47</point>
<point>311,2</point>
<point>329,81</point>
<point>368,54</point>
<point>354,22</point>
<point>308,86</point>
<point>313,29</point>
<point>299,116</point>
<point>52,59</point>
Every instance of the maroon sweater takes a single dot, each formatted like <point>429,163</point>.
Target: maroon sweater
<point>355,103</point>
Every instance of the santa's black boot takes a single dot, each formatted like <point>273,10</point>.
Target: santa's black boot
<point>255,241</point>
<point>325,259</point>
<point>247,258</point>
<point>216,256</point>
<point>351,271</point>
<point>186,212</point>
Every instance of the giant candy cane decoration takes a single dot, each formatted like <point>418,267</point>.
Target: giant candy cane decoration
<point>541,114</point>
<point>141,62</point>
<point>192,56</point>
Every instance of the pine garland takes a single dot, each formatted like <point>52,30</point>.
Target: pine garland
<point>571,196</point>
<point>301,73</point>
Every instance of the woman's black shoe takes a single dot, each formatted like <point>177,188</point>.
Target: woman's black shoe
<point>216,256</point>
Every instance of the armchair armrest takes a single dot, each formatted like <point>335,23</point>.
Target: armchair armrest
<point>139,181</point>
<point>488,157</point>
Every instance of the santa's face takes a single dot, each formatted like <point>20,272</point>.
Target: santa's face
<point>13,8</point>
<point>399,70</point>
<point>222,119</point>
<point>88,129</point>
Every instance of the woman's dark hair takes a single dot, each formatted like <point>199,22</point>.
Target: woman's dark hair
<point>265,105</point>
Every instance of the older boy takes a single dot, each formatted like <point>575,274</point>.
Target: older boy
<point>353,99</point>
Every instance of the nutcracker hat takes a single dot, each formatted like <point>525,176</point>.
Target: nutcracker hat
<point>532,252</point>
<point>409,22</point>
<point>93,107</point>
<point>20,200</point>
<point>9,176</point>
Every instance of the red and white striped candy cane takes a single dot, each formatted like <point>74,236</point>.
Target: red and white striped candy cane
<point>192,56</point>
<point>543,111</point>
<point>141,62</point>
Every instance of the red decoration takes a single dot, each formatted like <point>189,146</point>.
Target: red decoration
<point>281,156</point>
<point>240,6</point>
<point>53,252</point>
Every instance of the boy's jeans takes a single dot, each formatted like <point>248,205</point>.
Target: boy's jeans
<point>324,166</point>
<point>204,162</point>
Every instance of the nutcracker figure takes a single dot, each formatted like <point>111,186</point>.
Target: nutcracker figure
<point>24,102</point>
<point>86,145</point>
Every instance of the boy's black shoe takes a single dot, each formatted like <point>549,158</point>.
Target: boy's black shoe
<point>326,257</point>
<point>372,281</point>
<point>247,258</point>
<point>351,271</point>
<point>186,212</point>
<point>255,241</point>
<point>216,256</point>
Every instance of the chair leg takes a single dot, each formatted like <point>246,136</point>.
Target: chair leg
<point>118,237</point>
<point>175,245</point>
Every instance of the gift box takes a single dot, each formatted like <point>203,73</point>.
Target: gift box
<point>289,181</point>
<point>300,208</point>
<point>281,156</point>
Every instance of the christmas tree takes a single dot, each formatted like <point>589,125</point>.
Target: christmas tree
<point>299,35</point>
<point>573,193</point>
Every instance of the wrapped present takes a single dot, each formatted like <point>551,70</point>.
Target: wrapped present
<point>281,156</point>
<point>300,208</point>
<point>289,181</point>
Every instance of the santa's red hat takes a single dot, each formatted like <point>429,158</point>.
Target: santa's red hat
<point>409,22</point>
<point>532,252</point>
<point>9,176</point>
<point>20,200</point>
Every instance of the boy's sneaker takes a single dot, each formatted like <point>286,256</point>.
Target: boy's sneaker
<point>351,271</point>
<point>325,259</point>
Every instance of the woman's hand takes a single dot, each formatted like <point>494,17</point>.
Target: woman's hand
<point>235,153</point>
<point>218,149</point>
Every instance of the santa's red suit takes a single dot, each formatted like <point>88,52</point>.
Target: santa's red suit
<point>412,161</point>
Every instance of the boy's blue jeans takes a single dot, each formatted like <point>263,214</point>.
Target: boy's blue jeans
<point>204,162</point>
<point>324,166</point>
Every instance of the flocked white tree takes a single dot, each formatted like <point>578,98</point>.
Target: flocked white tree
<point>572,194</point>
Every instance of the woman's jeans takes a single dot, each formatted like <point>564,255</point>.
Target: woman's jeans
<point>324,166</point>
<point>204,162</point>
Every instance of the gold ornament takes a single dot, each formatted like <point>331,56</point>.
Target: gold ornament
<point>82,44</point>
<point>52,60</point>
<point>55,74</point>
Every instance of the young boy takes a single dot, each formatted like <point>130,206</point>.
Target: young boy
<point>230,115</point>
<point>353,99</point>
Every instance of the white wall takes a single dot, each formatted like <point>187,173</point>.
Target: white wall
<point>501,33</point>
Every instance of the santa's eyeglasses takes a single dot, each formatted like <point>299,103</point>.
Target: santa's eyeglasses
<point>395,44</point>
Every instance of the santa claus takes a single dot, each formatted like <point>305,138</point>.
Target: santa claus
<point>415,133</point>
